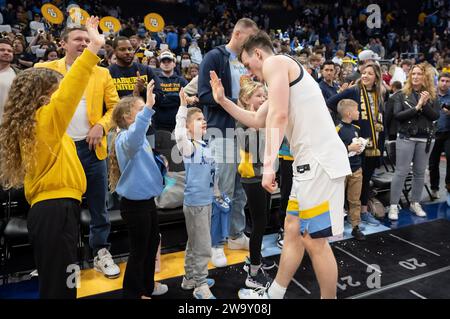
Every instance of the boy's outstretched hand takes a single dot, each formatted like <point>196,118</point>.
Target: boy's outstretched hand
<point>150,95</point>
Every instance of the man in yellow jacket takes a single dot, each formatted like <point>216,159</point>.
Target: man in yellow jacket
<point>88,129</point>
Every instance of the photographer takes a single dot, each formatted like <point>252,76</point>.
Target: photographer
<point>415,110</point>
<point>442,143</point>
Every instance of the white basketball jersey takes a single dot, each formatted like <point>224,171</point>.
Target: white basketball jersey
<point>311,132</point>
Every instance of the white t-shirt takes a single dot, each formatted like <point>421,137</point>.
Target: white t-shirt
<point>79,127</point>
<point>7,76</point>
<point>399,75</point>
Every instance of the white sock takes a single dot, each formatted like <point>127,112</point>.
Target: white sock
<point>276,291</point>
<point>393,206</point>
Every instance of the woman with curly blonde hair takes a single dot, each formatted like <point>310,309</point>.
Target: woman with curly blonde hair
<point>37,153</point>
<point>415,110</point>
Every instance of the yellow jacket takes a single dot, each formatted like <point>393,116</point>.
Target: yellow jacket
<point>55,170</point>
<point>100,89</point>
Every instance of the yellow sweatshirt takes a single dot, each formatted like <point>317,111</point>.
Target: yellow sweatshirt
<point>56,171</point>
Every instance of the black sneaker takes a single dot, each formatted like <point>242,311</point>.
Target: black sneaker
<point>266,264</point>
<point>261,279</point>
<point>356,232</point>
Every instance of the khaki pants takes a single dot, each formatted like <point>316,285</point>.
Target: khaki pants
<point>353,185</point>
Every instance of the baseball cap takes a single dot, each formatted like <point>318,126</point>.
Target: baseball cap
<point>166,55</point>
<point>368,55</point>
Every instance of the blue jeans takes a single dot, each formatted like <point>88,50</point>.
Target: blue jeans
<point>97,183</point>
<point>224,151</point>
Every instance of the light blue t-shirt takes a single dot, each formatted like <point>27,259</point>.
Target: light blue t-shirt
<point>200,171</point>
<point>237,70</point>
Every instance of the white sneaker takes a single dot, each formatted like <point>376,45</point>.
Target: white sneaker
<point>393,212</point>
<point>104,263</point>
<point>242,243</point>
<point>218,257</point>
<point>160,289</point>
<point>417,209</point>
<point>258,293</point>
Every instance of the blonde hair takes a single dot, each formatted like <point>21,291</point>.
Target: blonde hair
<point>428,80</point>
<point>122,108</point>
<point>344,105</point>
<point>30,90</point>
<point>191,111</point>
<point>248,88</point>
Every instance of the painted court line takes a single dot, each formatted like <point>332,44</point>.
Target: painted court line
<point>400,283</point>
<point>417,294</point>
<point>415,245</point>
<point>297,283</point>
<point>358,259</point>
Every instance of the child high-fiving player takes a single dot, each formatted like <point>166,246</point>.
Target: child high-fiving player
<point>198,195</point>
<point>136,177</point>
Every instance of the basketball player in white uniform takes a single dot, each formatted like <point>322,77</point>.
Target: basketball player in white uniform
<point>297,109</point>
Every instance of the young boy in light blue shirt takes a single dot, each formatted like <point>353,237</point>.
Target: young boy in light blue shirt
<point>198,196</point>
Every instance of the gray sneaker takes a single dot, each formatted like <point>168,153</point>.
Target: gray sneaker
<point>188,284</point>
<point>203,292</point>
<point>435,194</point>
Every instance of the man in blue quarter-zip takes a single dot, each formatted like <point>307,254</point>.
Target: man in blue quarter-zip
<point>223,60</point>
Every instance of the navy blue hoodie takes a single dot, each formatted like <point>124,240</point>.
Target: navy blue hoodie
<point>215,60</point>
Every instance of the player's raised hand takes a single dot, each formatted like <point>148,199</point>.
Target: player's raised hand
<point>217,87</point>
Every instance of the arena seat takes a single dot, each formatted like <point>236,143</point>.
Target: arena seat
<point>14,231</point>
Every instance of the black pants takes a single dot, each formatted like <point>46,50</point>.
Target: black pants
<point>442,144</point>
<point>285,188</point>
<point>258,200</point>
<point>143,232</point>
<point>369,164</point>
<point>53,231</point>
